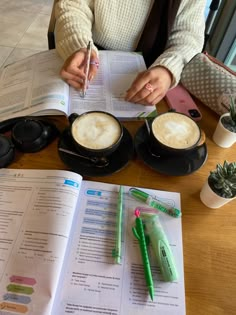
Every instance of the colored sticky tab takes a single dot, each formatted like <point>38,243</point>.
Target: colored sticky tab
<point>94,192</point>
<point>70,182</point>
<point>22,280</point>
<point>17,298</point>
<point>19,289</point>
<point>11,307</point>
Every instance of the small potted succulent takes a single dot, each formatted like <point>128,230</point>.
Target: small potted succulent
<point>225,132</point>
<point>220,187</point>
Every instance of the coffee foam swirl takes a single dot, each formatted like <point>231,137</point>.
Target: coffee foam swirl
<point>96,130</point>
<point>176,130</point>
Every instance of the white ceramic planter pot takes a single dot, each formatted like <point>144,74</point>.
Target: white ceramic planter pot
<point>222,136</point>
<point>211,199</point>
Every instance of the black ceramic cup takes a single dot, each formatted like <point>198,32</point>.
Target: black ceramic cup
<point>173,133</point>
<point>95,133</point>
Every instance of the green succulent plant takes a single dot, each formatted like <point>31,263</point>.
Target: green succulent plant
<point>223,180</point>
<point>232,109</point>
<point>229,121</point>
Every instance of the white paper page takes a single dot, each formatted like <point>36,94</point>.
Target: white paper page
<point>106,92</point>
<point>36,213</point>
<point>33,85</point>
<point>93,283</point>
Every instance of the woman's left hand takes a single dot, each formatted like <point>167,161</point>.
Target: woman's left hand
<point>150,86</point>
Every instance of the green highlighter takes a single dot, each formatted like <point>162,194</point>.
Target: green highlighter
<point>160,245</point>
<point>154,202</point>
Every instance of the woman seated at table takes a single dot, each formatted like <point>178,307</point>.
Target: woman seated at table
<point>172,38</point>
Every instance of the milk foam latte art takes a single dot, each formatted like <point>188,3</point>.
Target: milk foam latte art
<point>176,130</point>
<point>96,130</point>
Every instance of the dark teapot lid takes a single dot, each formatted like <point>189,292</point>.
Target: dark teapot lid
<point>31,135</point>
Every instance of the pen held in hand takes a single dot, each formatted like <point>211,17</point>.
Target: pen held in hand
<point>88,57</point>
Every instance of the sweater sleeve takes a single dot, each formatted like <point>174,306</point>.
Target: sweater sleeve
<point>186,38</point>
<point>73,30</point>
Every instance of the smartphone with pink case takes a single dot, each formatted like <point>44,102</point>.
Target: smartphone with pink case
<point>179,100</point>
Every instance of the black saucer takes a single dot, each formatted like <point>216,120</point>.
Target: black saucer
<point>117,160</point>
<point>169,165</point>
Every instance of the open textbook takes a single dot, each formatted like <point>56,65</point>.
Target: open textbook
<point>57,235</point>
<point>33,86</point>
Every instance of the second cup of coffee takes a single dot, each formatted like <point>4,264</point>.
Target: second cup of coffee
<point>95,133</point>
<point>173,133</point>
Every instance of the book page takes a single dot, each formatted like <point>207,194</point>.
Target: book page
<point>33,85</point>
<point>36,214</point>
<point>106,92</point>
<point>93,283</point>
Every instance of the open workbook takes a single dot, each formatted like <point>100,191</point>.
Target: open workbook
<point>57,233</point>
<point>33,86</point>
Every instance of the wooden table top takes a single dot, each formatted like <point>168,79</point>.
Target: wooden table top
<point>209,235</point>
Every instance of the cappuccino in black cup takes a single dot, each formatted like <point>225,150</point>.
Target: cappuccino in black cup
<point>173,133</point>
<point>96,133</point>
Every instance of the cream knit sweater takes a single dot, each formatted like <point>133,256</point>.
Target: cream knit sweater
<point>118,25</point>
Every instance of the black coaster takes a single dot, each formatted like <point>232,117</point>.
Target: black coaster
<point>117,160</point>
<point>169,165</point>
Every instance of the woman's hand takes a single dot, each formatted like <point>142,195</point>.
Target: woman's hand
<point>74,68</point>
<point>150,86</point>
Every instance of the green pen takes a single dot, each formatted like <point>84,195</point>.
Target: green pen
<point>138,232</point>
<point>154,202</point>
<point>116,252</point>
<point>160,245</point>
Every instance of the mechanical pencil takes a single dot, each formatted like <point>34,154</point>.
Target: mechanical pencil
<point>154,202</point>
<point>138,232</point>
<point>160,245</point>
<point>88,56</point>
<point>116,252</point>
